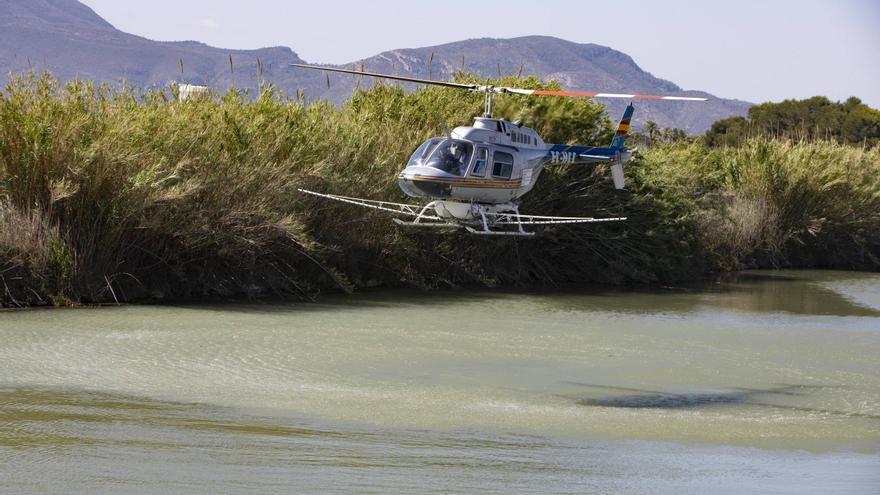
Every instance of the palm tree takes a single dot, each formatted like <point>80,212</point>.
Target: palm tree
<point>651,129</point>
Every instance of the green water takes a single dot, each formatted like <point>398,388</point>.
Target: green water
<point>767,383</point>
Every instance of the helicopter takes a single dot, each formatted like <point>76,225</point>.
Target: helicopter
<point>474,176</point>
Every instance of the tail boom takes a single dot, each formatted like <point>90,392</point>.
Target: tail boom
<point>616,154</point>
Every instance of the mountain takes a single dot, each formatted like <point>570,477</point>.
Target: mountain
<point>576,66</point>
<point>70,40</point>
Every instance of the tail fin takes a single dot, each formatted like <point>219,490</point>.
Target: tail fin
<point>621,153</point>
<point>623,128</point>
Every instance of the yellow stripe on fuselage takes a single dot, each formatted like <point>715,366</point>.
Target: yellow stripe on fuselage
<point>469,182</point>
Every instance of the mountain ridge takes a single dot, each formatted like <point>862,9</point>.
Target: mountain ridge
<point>70,40</point>
<point>576,66</point>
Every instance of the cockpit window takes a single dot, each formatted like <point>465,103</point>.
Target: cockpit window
<point>423,151</point>
<point>451,156</point>
<point>479,169</point>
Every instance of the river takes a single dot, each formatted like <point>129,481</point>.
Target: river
<point>767,382</point>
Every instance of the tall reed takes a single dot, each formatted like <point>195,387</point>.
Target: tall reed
<point>109,194</point>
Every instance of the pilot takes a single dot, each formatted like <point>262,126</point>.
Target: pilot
<point>457,163</point>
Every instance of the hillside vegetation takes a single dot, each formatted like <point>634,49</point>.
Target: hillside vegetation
<point>114,196</point>
<point>850,122</point>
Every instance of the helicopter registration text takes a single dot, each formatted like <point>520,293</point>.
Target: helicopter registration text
<point>562,157</point>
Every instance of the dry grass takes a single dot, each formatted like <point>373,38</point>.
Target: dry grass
<point>775,203</point>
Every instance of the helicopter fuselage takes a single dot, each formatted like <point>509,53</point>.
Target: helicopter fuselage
<point>474,176</point>
<point>492,162</point>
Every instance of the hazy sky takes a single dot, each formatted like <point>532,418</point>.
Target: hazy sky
<point>746,49</point>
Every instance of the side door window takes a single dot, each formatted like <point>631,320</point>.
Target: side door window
<point>502,164</point>
<point>480,162</point>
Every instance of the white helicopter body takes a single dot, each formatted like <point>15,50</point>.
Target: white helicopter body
<point>474,176</point>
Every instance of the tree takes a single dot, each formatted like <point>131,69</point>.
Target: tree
<point>651,130</point>
<point>727,132</point>
<point>850,122</point>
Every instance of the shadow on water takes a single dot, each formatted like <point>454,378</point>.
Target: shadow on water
<point>800,293</point>
<point>795,292</point>
<point>634,398</point>
<point>369,299</point>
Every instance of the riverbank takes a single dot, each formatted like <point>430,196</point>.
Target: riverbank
<point>114,196</point>
<point>767,381</point>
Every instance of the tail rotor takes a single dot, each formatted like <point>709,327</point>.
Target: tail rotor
<point>618,144</point>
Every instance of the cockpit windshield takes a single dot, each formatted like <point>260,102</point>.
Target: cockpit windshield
<point>422,152</point>
<point>449,155</point>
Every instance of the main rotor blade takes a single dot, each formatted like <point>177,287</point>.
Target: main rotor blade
<point>386,76</point>
<point>588,94</point>
<point>501,89</point>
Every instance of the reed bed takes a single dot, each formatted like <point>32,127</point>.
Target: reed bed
<point>111,195</point>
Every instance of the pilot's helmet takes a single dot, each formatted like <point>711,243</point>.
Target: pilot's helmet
<point>455,149</point>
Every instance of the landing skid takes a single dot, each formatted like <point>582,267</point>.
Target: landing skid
<point>520,233</point>
<point>479,219</point>
<point>453,225</point>
<point>488,217</point>
<point>436,225</point>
